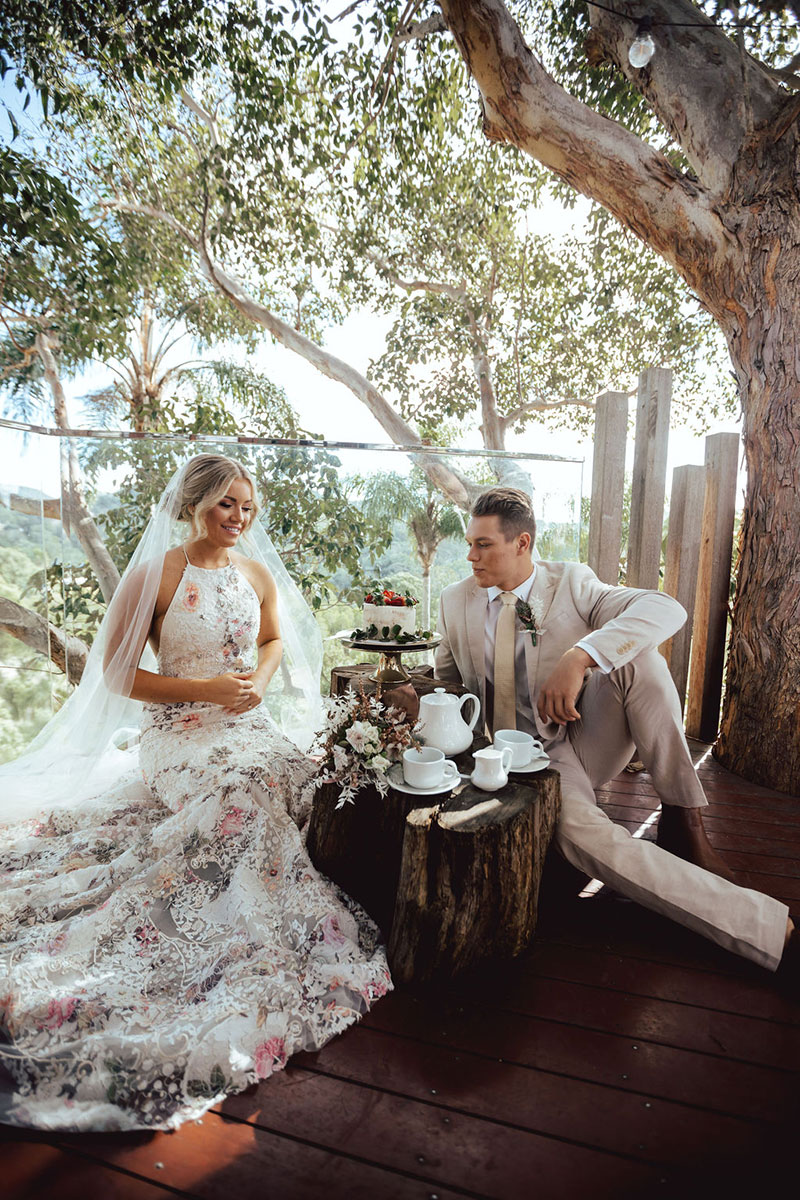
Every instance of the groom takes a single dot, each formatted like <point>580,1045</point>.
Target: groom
<point>579,668</point>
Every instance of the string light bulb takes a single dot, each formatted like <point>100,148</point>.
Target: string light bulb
<point>642,47</point>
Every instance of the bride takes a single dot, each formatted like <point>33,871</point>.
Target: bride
<point>166,939</point>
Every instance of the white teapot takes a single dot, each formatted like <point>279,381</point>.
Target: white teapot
<point>441,723</point>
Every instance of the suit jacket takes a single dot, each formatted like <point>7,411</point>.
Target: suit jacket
<point>619,622</point>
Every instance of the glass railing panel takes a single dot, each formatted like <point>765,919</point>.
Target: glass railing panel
<point>341,515</point>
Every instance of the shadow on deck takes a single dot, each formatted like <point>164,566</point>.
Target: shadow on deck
<point>620,1057</point>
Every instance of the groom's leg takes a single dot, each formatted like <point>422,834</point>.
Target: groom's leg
<point>638,704</point>
<point>743,921</point>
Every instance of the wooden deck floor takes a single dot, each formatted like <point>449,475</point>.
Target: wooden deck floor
<point>621,1057</point>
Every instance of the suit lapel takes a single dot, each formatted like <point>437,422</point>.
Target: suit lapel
<point>540,599</point>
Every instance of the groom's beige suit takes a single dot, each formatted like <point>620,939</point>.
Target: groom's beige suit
<point>629,702</point>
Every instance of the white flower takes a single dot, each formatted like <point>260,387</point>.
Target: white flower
<point>536,606</point>
<point>361,735</point>
<point>340,758</point>
<point>379,763</point>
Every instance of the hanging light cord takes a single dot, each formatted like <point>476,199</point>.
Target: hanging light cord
<point>709,24</point>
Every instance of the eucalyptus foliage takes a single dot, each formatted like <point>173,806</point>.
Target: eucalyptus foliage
<point>329,165</point>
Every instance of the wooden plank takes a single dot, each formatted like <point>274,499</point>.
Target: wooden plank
<point>36,1170</point>
<point>722,840</point>
<point>617,1061</point>
<point>734,790</point>
<point>624,807</point>
<point>683,985</point>
<point>35,508</point>
<point>741,809</point>
<point>608,485</point>
<point>713,587</point>
<point>216,1158</point>
<point>502,1083</point>
<point>682,560</point>
<point>629,930</point>
<point>454,1148</point>
<point>649,477</point>
<point>764,1043</point>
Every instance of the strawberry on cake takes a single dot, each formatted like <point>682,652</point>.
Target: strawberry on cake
<point>384,609</point>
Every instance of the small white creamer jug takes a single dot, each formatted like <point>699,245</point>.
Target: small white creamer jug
<point>491,768</point>
<point>441,723</point>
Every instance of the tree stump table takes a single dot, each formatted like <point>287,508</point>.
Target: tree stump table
<point>449,884</point>
<point>469,878</point>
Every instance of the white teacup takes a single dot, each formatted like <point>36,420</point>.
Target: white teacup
<point>428,767</point>
<point>524,748</point>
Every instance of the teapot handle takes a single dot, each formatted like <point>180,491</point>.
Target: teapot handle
<point>476,708</point>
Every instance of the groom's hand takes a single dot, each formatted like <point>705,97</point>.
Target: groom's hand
<point>560,690</point>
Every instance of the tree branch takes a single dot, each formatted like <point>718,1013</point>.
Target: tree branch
<point>703,88</point>
<point>458,294</point>
<point>420,29</point>
<point>530,406</point>
<point>150,210</point>
<point>524,106</point>
<point>456,486</point>
<point>67,652</point>
<point>208,119</point>
<point>49,509</point>
<point>74,509</point>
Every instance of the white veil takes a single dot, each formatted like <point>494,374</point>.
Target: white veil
<point>91,743</point>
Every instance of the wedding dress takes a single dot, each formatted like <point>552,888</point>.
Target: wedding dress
<point>170,941</point>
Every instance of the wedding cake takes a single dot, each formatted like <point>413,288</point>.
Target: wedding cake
<point>384,608</point>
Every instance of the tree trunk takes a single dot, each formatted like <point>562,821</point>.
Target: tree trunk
<point>426,595</point>
<point>732,230</point>
<point>75,513</point>
<point>760,729</point>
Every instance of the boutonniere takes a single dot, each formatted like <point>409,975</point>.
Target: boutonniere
<point>530,616</point>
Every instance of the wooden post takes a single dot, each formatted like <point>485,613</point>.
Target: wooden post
<point>683,555</point>
<point>608,485</point>
<point>713,587</point>
<point>649,477</point>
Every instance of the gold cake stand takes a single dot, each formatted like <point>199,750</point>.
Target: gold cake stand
<point>390,668</point>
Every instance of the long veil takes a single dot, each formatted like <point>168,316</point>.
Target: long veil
<point>91,743</point>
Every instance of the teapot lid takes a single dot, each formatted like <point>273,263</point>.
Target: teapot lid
<point>439,696</point>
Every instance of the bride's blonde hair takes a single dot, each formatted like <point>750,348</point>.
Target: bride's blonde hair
<point>205,481</point>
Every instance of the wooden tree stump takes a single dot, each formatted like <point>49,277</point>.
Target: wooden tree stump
<point>469,881</point>
<point>360,845</point>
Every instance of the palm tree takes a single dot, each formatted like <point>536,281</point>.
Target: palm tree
<point>155,386</point>
<point>429,518</point>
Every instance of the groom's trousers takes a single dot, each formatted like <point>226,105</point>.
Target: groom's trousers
<point>637,706</point>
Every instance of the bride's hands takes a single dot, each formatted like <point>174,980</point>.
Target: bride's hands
<point>236,691</point>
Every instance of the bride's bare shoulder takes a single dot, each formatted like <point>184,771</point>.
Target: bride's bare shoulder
<point>257,574</point>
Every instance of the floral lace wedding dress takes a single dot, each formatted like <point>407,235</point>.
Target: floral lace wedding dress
<point>171,942</point>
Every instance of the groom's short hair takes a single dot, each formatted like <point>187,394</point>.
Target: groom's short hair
<point>511,506</point>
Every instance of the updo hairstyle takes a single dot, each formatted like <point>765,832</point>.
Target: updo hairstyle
<point>205,481</point>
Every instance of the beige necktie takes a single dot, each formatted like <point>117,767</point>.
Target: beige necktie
<point>505,691</point>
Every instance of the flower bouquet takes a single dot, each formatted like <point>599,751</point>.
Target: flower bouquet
<point>360,740</point>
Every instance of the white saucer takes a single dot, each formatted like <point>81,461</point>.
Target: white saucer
<point>536,764</point>
<point>395,777</point>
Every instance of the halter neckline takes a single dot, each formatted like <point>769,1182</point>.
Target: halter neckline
<point>197,567</point>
